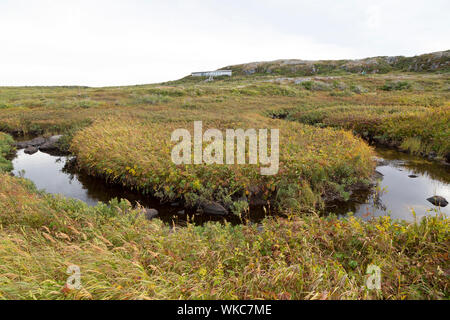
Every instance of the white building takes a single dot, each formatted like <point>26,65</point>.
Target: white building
<point>216,73</point>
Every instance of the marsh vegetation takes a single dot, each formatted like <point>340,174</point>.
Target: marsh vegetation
<point>328,125</point>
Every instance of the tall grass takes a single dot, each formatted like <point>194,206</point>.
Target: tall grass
<point>123,256</point>
<point>137,154</point>
<point>6,142</point>
<point>401,125</point>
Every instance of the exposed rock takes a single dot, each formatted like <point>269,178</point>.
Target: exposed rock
<point>432,155</point>
<point>213,208</point>
<point>36,142</point>
<point>21,145</point>
<point>426,62</point>
<point>181,212</point>
<point>438,201</point>
<point>377,175</point>
<point>54,139</point>
<point>360,186</point>
<point>150,213</point>
<point>50,144</point>
<point>41,143</point>
<point>298,81</point>
<point>447,157</point>
<point>31,150</point>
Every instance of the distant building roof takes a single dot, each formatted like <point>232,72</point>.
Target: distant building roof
<point>212,73</point>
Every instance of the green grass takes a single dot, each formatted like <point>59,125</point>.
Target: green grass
<point>396,85</point>
<point>6,142</point>
<point>395,124</point>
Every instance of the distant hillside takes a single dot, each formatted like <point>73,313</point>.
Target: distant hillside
<point>430,62</point>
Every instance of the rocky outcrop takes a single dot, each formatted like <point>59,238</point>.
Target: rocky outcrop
<point>31,150</point>
<point>36,142</point>
<point>438,201</point>
<point>51,144</point>
<point>41,143</point>
<point>150,213</point>
<point>430,62</point>
<point>213,208</point>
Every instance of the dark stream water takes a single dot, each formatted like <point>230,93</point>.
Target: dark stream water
<point>406,182</point>
<point>53,174</point>
<point>397,194</point>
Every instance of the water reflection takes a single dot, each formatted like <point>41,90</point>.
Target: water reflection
<point>397,193</point>
<point>55,175</point>
<point>407,181</point>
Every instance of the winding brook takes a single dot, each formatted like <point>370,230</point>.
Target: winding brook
<point>405,183</point>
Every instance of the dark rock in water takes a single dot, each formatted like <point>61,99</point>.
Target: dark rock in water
<point>438,201</point>
<point>412,176</point>
<point>256,197</point>
<point>22,145</point>
<point>54,139</point>
<point>41,143</point>
<point>213,208</point>
<point>36,142</point>
<point>31,150</point>
<point>377,175</point>
<point>47,147</point>
<point>359,186</point>
<point>447,157</point>
<point>50,144</point>
<point>150,213</point>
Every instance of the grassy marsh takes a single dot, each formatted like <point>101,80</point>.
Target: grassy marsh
<point>123,134</point>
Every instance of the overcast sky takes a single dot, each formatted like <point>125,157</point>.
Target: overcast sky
<point>101,43</point>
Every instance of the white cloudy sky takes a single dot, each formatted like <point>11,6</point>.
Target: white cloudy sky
<point>119,42</point>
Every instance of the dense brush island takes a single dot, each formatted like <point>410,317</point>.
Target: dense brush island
<point>327,119</point>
